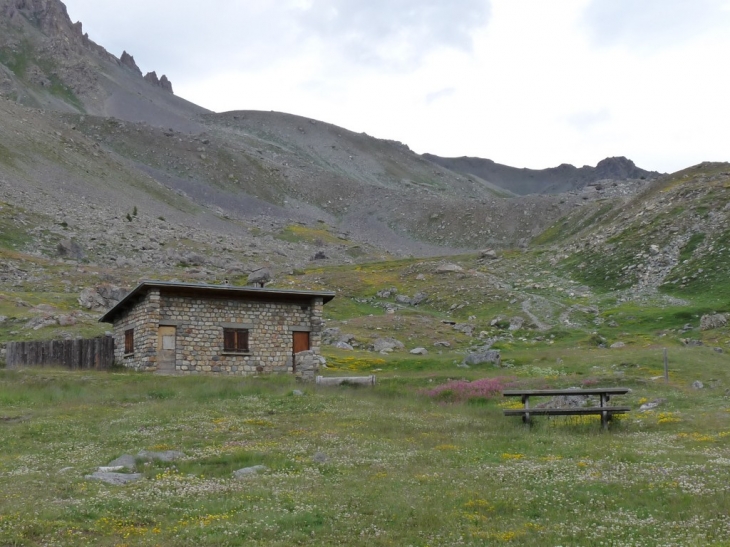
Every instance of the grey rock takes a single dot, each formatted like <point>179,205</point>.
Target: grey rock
<point>343,345</point>
<point>652,404</point>
<point>386,344</point>
<point>246,471</point>
<point>166,84</point>
<point>165,456</point>
<point>403,299</point>
<point>117,479</point>
<point>418,298</point>
<point>442,344</point>
<point>259,277</point>
<point>70,249</point>
<point>697,384</point>
<point>387,293</point>
<point>464,328</point>
<point>331,335</point>
<point>102,297</point>
<point>516,323</point>
<point>617,345</point>
<point>320,457</point>
<point>483,355</point>
<point>66,320</point>
<point>489,254</point>
<point>448,268</point>
<point>151,77</point>
<point>713,321</point>
<point>419,351</point>
<point>347,339</point>
<point>297,393</point>
<point>41,322</point>
<point>195,259</point>
<point>718,350</point>
<point>125,460</point>
<point>128,61</point>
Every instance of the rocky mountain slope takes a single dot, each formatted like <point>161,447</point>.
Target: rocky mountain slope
<point>81,125</point>
<point>48,62</point>
<point>554,180</point>
<point>107,177</point>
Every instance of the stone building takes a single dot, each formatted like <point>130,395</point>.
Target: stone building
<point>188,328</point>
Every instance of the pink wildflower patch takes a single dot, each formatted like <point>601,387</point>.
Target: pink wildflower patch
<point>461,390</point>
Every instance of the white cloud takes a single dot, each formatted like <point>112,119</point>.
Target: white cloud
<point>653,23</point>
<point>393,34</point>
<point>588,119</point>
<point>440,94</point>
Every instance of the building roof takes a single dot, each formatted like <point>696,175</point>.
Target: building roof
<point>204,290</point>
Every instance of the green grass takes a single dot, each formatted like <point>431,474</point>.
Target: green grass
<point>6,156</point>
<point>13,234</point>
<point>399,467</point>
<point>691,245</point>
<point>568,226</point>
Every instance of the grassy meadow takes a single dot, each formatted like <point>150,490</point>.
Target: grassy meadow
<point>424,458</point>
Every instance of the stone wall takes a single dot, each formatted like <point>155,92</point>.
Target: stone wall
<point>199,324</point>
<point>308,363</point>
<point>144,318</point>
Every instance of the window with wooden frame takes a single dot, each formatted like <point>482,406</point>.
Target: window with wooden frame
<point>128,341</point>
<point>235,340</point>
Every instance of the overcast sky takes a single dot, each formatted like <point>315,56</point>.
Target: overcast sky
<point>528,83</point>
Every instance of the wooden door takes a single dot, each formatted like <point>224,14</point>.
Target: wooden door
<point>300,343</point>
<point>166,349</point>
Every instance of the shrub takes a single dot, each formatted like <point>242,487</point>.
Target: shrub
<point>461,390</point>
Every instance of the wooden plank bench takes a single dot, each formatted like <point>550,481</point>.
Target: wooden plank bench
<point>604,410</point>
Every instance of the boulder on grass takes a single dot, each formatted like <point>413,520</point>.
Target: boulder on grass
<point>386,344</point>
<point>448,268</point>
<point>483,355</point>
<point>713,321</point>
<point>259,277</point>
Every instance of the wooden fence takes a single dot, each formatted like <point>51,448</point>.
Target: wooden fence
<point>94,353</point>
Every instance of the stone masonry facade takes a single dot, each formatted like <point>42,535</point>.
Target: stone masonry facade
<point>143,318</point>
<point>199,322</point>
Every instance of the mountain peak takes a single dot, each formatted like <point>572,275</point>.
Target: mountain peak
<point>620,167</point>
<point>50,16</point>
<point>563,178</point>
<point>127,60</point>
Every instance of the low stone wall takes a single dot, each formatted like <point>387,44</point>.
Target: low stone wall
<point>307,365</point>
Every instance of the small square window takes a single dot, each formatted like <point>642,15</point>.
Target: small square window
<point>235,340</point>
<point>129,341</point>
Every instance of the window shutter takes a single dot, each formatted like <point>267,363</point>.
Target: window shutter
<point>242,340</point>
<point>229,339</point>
<point>129,341</point>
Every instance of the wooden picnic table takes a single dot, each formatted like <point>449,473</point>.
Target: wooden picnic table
<point>604,410</point>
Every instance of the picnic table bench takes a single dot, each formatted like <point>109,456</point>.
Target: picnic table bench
<point>604,410</point>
